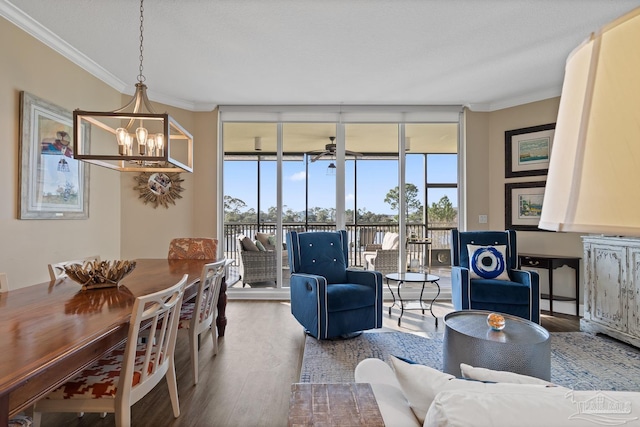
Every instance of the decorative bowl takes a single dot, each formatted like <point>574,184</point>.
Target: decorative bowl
<point>99,274</point>
<point>495,321</point>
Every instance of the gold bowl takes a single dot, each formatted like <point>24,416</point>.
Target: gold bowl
<point>99,274</point>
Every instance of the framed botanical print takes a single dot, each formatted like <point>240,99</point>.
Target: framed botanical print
<point>523,205</point>
<point>53,185</point>
<point>528,150</point>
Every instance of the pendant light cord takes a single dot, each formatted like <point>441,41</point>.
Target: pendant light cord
<point>141,77</point>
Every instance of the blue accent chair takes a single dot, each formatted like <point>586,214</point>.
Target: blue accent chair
<point>519,297</point>
<point>327,299</point>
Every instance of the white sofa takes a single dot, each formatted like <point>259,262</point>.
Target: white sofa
<point>416,395</point>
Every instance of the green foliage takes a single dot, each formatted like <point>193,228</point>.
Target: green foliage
<point>439,212</point>
<point>413,211</point>
<point>442,211</point>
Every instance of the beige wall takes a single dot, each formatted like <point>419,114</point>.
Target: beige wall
<point>119,225</point>
<point>536,113</point>
<point>485,168</point>
<point>27,246</point>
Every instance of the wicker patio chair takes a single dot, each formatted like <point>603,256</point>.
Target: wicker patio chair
<point>256,265</point>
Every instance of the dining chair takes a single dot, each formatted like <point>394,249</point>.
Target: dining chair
<point>193,248</point>
<point>56,271</point>
<point>125,375</point>
<point>197,317</point>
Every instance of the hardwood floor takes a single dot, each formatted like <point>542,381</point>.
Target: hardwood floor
<point>249,381</point>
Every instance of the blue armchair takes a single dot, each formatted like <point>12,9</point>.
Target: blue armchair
<point>484,275</point>
<point>326,298</point>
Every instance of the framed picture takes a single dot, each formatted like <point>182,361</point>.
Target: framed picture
<point>528,150</point>
<point>523,205</point>
<point>53,185</point>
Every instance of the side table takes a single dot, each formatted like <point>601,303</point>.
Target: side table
<point>522,346</point>
<point>423,278</point>
<point>339,404</point>
<point>550,263</point>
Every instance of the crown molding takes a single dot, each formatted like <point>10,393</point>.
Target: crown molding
<point>516,101</point>
<point>23,21</point>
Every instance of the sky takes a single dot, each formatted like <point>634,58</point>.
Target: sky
<point>375,179</point>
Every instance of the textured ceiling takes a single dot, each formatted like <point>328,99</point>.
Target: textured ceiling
<point>486,54</point>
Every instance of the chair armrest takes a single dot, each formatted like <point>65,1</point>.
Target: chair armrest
<point>365,277</point>
<point>526,277</point>
<point>372,247</point>
<point>530,278</point>
<point>460,287</point>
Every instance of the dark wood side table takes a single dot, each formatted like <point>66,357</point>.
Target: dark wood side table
<point>340,404</point>
<point>550,263</point>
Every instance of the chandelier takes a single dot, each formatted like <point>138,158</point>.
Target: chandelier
<point>133,138</point>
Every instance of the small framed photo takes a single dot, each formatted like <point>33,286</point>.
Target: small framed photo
<point>523,205</point>
<point>528,150</point>
<point>53,185</point>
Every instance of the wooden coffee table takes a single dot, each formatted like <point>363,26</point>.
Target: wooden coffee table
<point>341,404</point>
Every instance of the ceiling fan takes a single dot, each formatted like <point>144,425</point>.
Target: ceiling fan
<point>330,150</point>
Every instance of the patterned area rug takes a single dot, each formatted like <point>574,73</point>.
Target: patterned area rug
<point>579,360</point>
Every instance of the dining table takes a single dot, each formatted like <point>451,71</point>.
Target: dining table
<point>52,330</point>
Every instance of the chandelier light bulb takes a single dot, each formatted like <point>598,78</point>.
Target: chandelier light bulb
<point>128,142</point>
<point>160,143</point>
<point>141,136</point>
<point>151,143</point>
<point>121,137</point>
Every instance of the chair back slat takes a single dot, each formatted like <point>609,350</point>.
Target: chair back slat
<point>208,293</point>
<point>160,311</point>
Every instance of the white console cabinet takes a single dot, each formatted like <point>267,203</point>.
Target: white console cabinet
<point>612,287</point>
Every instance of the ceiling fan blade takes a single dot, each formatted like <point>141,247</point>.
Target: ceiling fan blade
<point>317,156</point>
<point>352,153</point>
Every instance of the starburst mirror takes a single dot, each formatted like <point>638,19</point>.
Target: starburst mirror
<point>159,188</point>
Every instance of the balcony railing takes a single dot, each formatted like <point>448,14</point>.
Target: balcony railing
<point>359,236</point>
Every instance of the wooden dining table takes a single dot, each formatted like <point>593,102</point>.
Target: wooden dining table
<point>50,331</point>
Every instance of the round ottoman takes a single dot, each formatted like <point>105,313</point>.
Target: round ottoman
<point>522,346</point>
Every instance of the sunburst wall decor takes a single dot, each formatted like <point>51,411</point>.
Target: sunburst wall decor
<point>159,188</point>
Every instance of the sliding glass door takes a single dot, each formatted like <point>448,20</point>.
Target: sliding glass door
<point>311,170</point>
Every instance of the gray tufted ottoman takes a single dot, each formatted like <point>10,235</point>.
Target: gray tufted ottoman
<point>522,346</point>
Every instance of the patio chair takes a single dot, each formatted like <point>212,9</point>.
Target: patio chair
<point>383,257</point>
<point>256,265</point>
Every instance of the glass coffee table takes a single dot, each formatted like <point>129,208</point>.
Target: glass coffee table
<point>402,278</point>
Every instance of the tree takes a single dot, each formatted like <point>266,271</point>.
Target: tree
<point>442,211</point>
<point>232,209</point>
<point>413,210</point>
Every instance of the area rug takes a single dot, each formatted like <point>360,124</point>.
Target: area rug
<point>579,360</point>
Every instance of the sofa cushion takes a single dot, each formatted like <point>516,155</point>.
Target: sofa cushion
<point>528,405</point>
<point>488,262</point>
<point>390,241</point>
<point>484,374</point>
<point>420,384</point>
<point>260,246</point>
<point>500,291</point>
<point>393,406</point>
<point>349,296</point>
<point>248,245</point>
<point>263,238</point>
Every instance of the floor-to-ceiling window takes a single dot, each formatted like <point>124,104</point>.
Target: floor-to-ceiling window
<point>315,170</point>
